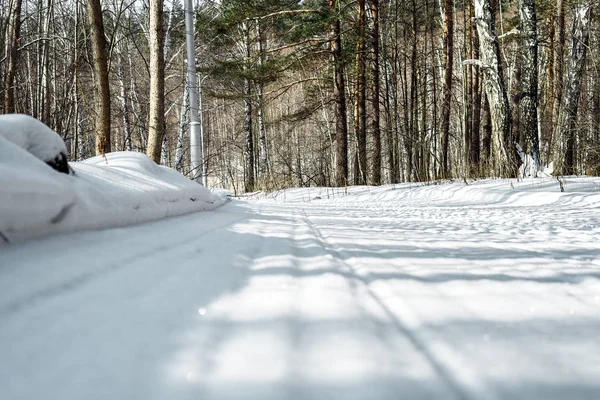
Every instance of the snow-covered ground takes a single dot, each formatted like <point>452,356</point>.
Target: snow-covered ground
<point>485,291</point>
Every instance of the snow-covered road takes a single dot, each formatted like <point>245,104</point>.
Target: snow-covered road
<point>413,295</point>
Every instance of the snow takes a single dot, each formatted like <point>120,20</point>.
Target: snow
<point>121,189</point>
<point>31,135</point>
<point>483,291</point>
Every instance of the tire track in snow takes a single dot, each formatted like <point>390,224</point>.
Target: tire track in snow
<point>444,372</point>
<point>74,283</point>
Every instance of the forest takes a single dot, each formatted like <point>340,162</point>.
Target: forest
<point>295,93</point>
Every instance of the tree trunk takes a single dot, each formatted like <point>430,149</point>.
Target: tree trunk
<point>495,88</point>
<point>12,53</point>
<point>360,107</point>
<point>262,136</point>
<point>559,58</point>
<point>449,60</point>
<point>156,118</point>
<point>486,145</point>
<point>389,121</point>
<point>341,125</point>
<point>474,149</point>
<point>249,150</point>
<point>565,137</point>
<point>410,103</point>
<point>76,132</point>
<point>101,77</point>
<point>124,102</point>
<point>375,127</point>
<point>433,147</point>
<point>529,78</point>
<point>546,134</point>
<point>45,65</point>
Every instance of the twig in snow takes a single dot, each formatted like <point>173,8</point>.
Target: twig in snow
<point>3,236</point>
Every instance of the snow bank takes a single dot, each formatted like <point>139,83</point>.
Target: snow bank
<point>122,189</point>
<point>31,135</point>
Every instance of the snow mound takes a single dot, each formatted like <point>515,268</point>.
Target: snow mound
<point>36,138</point>
<point>121,189</point>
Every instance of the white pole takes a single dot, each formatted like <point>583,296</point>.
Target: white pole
<point>202,130</point>
<point>196,156</point>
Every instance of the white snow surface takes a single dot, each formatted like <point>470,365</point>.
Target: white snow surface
<point>121,189</point>
<point>31,135</point>
<point>485,291</point>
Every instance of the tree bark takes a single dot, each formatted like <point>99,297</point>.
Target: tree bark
<point>449,60</point>
<point>375,126</point>
<point>182,128</point>
<point>389,120</point>
<point>341,125</point>
<point>475,148</point>
<point>249,150</point>
<point>156,118</point>
<point>12,53</point>
<point>486,142</point>
<point>124,103</point>
<point>495,87</point>
<point>548,126</point>
<point>559,57</point>
<point>98,40</point>
<point>529,78</point>
<point>360,105</point>
<point>262,137</point>
<point>565,137</point>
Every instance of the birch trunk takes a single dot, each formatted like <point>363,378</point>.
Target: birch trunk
<point>566,127</point>
<point>182,128</point>
<point>486,140</point>
<point>262,140</point>
<point>495,88</point>
<point>124,103</point>
<point>529,78</point>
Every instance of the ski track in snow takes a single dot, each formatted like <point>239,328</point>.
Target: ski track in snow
<point>413,298</point>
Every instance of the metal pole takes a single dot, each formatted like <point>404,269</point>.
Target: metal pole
<point>196,156</point>
<point>202,130</point>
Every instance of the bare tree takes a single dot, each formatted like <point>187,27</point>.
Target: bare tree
<point>529,77</point>
<point>341,126</point>
<point>449,60</point>
<point>262,139</point>
<point>156,124</point>
<point>101,77</point>
<point>12,53</point>
<point>375,124</point>
<point>475,147</point>
<point>495,87</point>
<point>360,105</point>
<point>248,131</point>
<point>566,127</point>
